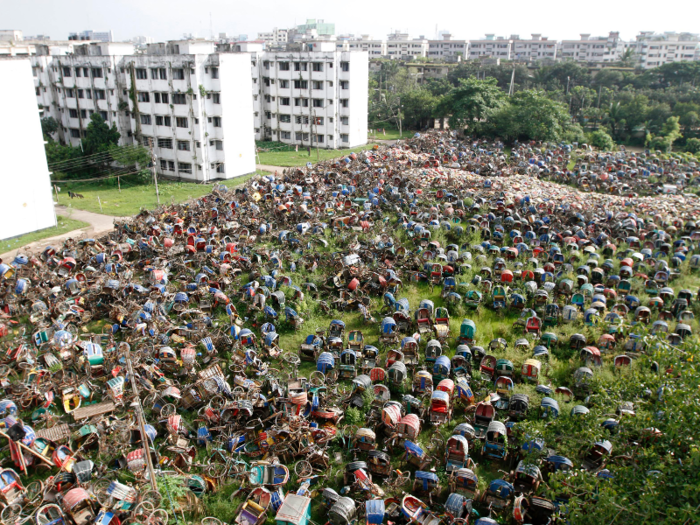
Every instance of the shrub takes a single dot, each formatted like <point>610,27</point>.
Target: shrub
<point>601,140</point>
<point>692,145</point>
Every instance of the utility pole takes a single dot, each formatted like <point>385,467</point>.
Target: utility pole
<point>139,415</point>
<point>512,79</point>
<point>153,169</point>
<point>313,113</point>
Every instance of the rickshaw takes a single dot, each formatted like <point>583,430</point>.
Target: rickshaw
<point>269,475</point>
<point>375,511</point>
<point>458,507</point>
<point>423,321</point>
<point>11,490</point>
<point>441,368</point>
<point>441,325</point>
<point>426,484</point>
<point>325,363</point>
<point>472,299</point>
<point>356,340</point>
<point>551,315</point>
<point>403,321</point>
<point>526,478</point>
<point>310,348</point>
<point>531,370</point>
<point>440,409</point>
<point>409,347</point>
<point>342,512</point>
<point>496,440</point>
<point>391,414</point>
<point>549,408</point>
<point>379,463</point>
<point>498,494</point>
<point>518,405</point>
<point>422,382</point>
<point>467,332</point>
<point>389,333</point>
<point>415,455</point>
<point>296,510</point>
<point>393,356</point>
<point>504,388</point>
<point>80,506</point>
<point>597,455</point>
<point>254,510</point>
<point>433,350</point>
<point>533,325</point>
<point>369,358</point>
<point>461,364</point>
<point>483,416</point>
<point>457,453</point>
<point>487,367</point>
<point>504,367</point>
<point>365,439</point>
<point>556,463</point>
<point>337,329</point>
<point>590,355</point>
<point>348,361</point>
<point>464,392</point>
<point>464,481</point>
<point>396,375</point>
<point>408,427</point>
<point>499,298</point>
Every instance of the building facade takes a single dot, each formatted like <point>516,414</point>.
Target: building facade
<point>96,36</point>
<point>535,49</point>
<point>447,49</point>
<point>27,200</point>
<point>654,50</point>
<point>599,49</point>
<point>275,37</point>
<point>190,104</point>
<point>490,47</point>
<point>314,99</point>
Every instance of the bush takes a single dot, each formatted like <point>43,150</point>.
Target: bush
<point>601,140</point>
<point>574,134</point>
<point>692,145</point>
<point>353,416</point>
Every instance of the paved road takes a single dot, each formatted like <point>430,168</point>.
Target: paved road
<point>99,225</point>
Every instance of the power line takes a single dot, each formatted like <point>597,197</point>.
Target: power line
<point>78,181</point>
<point>95,157</point>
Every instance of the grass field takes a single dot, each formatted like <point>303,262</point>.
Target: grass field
<point>391,134</point>
<point>65,224</point>
<point>133,197</point>
<point>283,155</point>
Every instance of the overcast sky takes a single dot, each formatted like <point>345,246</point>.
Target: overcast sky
<point>169,19</point>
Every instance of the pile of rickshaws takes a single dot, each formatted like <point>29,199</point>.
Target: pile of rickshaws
<point>145,371</point>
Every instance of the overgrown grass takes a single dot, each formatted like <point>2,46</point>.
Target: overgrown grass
<point>64,225</point>
<point>279,154</point>
<point>389,134</point>
<point>108,199</point>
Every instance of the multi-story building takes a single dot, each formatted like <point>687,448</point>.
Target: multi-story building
<point>653,50</point>
<point>596,50</point>
<point>316,99</point>
<point>275,37</point>
<point>447,49</point>
<point>401,46</point>
<point>490,47</point>
<point>26,189</point>
<point>189,103</point>
<point>373,48</point>
<point>537,48</point>
<point>97,36</point>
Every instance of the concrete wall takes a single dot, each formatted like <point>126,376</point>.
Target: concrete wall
<point>237,120</point>
<point>359,78</point>
<point>27,204</point>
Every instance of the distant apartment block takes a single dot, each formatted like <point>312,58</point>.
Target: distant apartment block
<point>97,36</point>
<point>589,49</point>
<point>490,47</point>
<point>653,50</point>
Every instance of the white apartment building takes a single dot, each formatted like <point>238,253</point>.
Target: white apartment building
<point>537,48</point>
<point>97,36</point>
<point>27,200</point>
<point>490,47</point>
<point>276,36</point>
<point>191,104</point>
<point>373,48</point>
<point>311,98</point>
<point>401,46</point>
<point>596,50</point>
<point>653,50</point>
<point>447,49</point>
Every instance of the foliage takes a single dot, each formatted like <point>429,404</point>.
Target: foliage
<point>531,115</point>
<point>49,126</point>
<point>472,104</point>
<point>353,416</point>
<point>692,145</point>
<point>99,136</point>
<point>601,140</point>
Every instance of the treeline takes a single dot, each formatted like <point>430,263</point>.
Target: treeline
<point>657,108</point>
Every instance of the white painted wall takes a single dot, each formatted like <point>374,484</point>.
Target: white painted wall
<point>27,204</point>
<point>237,110</point>
<point>359,78</point>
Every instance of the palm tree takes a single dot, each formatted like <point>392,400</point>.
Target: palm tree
<point>628,58</point>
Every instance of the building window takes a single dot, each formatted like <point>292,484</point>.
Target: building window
<point>317,66</point>
<point>302,136</point>
<point>100,94</point>
<point>142,96</point>
<point>217,122</point>
<point>318,102</point>
<point>154,73</point>
<point>81,93</point>
<point>318,84</point>
<point>66,71</point>
<point>88,94</point>
<point>164,97</point>
<point>70,93</point>
<point>146,120</point>
<point>299,119</point>
<point>75,133</point>
<point>285,119</point>
<point>216,98</point>
<point>220,168</point>
<point>330,138</point>
<point>96,72</point>
<point>284,101</point>
<point>156,98</point>
<point>268,115</point>
<point>284,66</point>
<point>301,84</point>
<point>344,121</point>
<point>284,84</point>
<point>318,121</point>
<point>104,115</point>
<point>344,84</point>
<point>165,143</point>
<point>184,167</point>
<point>215,72</point>
<point>178,74</point>
<point>141,74</point>
<point>344,103</point>
<point>300,66</point>
<point>318,139</point>
<point>345,66</point>
<point>73,113</point>
<point>285,135</point>
<point>163,164</point>
<point>179,98</point>
<point>344,137</point>
<point>159,120</point>
<point>301,102</point>
<point>183,145</point>
<point>219,145</point>
<point>83,113</point>
<point>182,122</point>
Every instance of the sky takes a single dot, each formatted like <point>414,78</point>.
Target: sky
<point>465,19</point>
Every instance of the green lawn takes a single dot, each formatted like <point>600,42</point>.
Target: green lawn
<point>133,197</point>
<point>391,134</point>
<point>65,224</point>
<point>288,157</point>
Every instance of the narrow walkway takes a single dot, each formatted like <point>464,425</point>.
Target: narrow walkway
<point>99,225</point>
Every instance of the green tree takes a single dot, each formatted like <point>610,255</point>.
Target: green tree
<point>671,131</point>
<point>531,115</point>
<point>601,140</point>
<point>692,145</point>
<point>49,126</point>
<point>99,136</point>
<point>472,103</point>
<point>419,106</point>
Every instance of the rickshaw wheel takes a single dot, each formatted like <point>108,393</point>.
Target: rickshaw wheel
<point>158,517</point>
<point>167,411</point>
<point>303,469</point>
<point>99,488</point>
<point>34,491</point>
<point>152,496</point>
<point>209,520</point>
<point>10,514</point>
